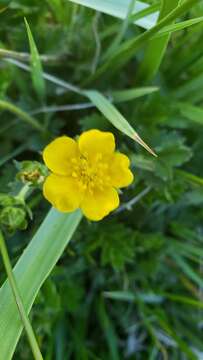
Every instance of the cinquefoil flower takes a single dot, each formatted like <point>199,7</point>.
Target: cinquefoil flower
<point>85,174</point>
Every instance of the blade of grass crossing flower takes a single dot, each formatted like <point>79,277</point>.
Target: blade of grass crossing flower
<point>157,47</point>
<point>36,66</point>
<point>25,320</point>
<point>115,117</point>
<point>30,272</point>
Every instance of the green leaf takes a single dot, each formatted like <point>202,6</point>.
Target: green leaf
<point>5,105</point>
<point>121,32</point>
<point>103,105</point>
<point>109,331</point>
<point>187,269</point>
<point>179,26</point>
<point>119,9</point>
<point>130,47</point>
<point>131,94</point>
<point>157,47</point>
<point>191,178</point>
<point>115,117</point>
<point>32,269</point>
<point>36,66</point>
<point>191,112</point>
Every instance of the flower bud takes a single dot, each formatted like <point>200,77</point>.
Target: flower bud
<point>8,200</point>
<point>13,218</point>
<point>32,172</point>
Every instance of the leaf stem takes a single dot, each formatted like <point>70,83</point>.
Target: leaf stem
<point>24,317</point>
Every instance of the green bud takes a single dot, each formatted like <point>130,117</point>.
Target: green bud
<point>13,218</point>
<point>32,172</point>
<point>8,200</point>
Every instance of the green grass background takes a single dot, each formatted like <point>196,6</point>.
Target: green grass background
<point>130,286</point>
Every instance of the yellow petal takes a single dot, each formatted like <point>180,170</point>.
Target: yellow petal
<point>99,204</point>
<point>58,154</point>
<point>62,192</point>
<point>119,171</point>
<point>95,142</point>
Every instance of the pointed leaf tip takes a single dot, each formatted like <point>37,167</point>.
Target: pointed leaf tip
<point>137,138</point>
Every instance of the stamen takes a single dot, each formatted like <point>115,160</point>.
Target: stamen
<point>90,175</point>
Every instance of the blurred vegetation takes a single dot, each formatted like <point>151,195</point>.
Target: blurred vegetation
<point>130,286</point>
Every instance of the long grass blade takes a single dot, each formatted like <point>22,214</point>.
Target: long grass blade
<point>36,66</point>
<point>157,47</point>
<point>119,9</point>
<point>115,117</point>
<point>32,269</point>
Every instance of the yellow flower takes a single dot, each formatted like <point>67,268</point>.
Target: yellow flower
<point>85,174</point>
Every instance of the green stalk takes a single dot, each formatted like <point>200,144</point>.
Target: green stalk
<point>23,193</point>
<point>5,105</point>
<point>25,320</point>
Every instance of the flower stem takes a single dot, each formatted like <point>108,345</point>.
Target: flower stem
<point>24,317</point>
<point>23,192</point>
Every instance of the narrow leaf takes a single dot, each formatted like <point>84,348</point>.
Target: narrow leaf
<point>6,105</point>
<point>131,94</point>
<point>189,272</point>
<point>129,48</point>
<point>191,112</point>
<point>36,66</point>
<point>119,9</point>
<point>115,117</point>
<point>157,47</point>
<point>103,105</point>
<point>177,27</point>
<point>32,269</point>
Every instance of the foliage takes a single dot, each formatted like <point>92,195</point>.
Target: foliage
<point>131,285</point>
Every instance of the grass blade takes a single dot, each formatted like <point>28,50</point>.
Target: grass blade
<point>157,47</point>
<point>118,39</point>
<point>103,105</point>
<point>191,112</point>
<point>36,66</point>
<point>31,271</point>
<point>25,320</point>
<point>131,94</point>
<point>189,272</point>
<point>5,105</point>
<point>129,48</point>
<point>119,9</point>
<point>115,117</point>
<point>179,26</point>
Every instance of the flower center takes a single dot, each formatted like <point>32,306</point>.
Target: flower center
<point>90,175</point>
